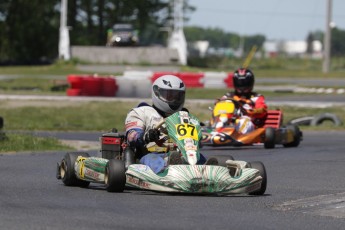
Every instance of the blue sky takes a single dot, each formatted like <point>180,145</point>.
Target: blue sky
<point>276,19</point>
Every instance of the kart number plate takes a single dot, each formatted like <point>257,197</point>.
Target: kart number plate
<point>186,131</point>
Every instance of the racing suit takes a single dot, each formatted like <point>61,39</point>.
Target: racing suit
<point>138,123</point>
<point>254,112</point>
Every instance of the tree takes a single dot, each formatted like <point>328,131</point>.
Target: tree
<point>310,40</point>
<point>255,40</point>
<point>220,39</point>
<point>30,31</point>
<point>337,42</point>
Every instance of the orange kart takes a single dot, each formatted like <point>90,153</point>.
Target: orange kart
<point>269,134</point>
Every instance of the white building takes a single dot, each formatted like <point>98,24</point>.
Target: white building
<point>291,48</point>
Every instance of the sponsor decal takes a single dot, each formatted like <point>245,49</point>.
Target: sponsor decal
<point>184,117</point>
<point>138,182</point>
<point>131,124</point>
<point>132,136</point>
<point>184,131</point>
<point>81,165</point>
<point>194,122</point>
<point>111,140</point>
<point>140,168</point>
<point>92,174</point>
<point>168,83</point>
<point>191,147</point>
<point>156,119</point>
<point>189,144</point>
<point>191,153</point>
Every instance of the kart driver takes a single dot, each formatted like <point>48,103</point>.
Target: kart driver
<point>168,97</point>
<point>253,106</point>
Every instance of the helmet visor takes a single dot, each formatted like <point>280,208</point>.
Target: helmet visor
<point>172,97</point>
<point>243,83</point>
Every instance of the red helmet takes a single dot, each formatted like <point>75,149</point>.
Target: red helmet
<point>243,80</point>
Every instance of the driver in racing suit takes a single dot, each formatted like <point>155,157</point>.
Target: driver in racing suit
<point>253,105</point>
<point>168,96</point>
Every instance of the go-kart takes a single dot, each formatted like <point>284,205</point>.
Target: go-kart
<point>227,176</point>
<point>269,134</point>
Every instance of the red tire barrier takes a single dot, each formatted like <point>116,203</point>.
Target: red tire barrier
<point>109,87</point>
<point>159,74</point>
<point>73,92</point>
<point>190,79</point>
<point>75,81</point>
<point>228,81</point>
<point>193,80</point>
<point>91,86</point>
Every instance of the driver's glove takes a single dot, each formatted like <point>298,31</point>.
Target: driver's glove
<point>246,109</point>
<point>152,135</point>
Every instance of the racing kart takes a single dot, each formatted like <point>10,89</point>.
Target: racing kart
<point>183,131</point>
<point>268,134</point>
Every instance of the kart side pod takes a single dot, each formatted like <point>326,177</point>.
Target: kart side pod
<point>111,145</point>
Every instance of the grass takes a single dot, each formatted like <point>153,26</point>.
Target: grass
<point>22,142</point>
<point>64,116</point>
<point>103,116</point>
<point>280,67</point>
<point>59,68</point>
<point>99,116</point>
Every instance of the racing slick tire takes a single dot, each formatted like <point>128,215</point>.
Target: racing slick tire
<point>115,176</point>
<point>270,138</point>
<point>301,121</point>
<point>296,136</point>
<point>67,171</point>
<point>261,167</point>
<point>223,159</point>
<point>319,119</point>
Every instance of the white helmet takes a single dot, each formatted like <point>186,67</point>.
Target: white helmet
<point>168,94</point>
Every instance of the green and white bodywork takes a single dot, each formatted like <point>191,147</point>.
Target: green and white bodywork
<point>185,131</point>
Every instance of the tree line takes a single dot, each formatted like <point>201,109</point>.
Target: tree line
<point>29,30</point>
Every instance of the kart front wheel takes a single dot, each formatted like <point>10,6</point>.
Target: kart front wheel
<point>261,167</point>
<point>67,172</point>
<point>115,176</point>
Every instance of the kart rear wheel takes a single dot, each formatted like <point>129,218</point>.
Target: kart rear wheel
<point>115,176</point>
<point>270,138</point>
<point>296,136</point>
<point>261,167</point>
<point>67,172</point>
<point>223,159</point>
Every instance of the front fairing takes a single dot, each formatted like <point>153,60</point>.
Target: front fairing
<point>184,129</point>
<point>224,109</point>
<point>202,179</point>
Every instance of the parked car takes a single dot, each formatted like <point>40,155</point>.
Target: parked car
<point>122,35</point>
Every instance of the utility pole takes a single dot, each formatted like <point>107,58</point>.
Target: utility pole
<point>327,39</point>
<point>64,49</point>
<point>177,40</point>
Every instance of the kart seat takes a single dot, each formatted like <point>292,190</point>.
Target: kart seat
<point>274,119</point>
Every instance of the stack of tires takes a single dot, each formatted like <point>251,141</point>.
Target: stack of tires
<point>192,80</point>
<point>91,86</point>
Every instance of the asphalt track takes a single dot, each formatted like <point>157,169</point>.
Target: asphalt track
<point>306,190</point>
